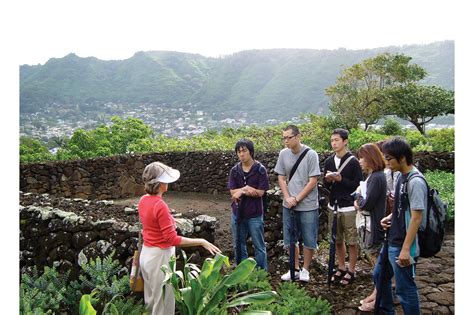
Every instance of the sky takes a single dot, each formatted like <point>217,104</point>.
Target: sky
<point>117,29</point>
<point>34,31</point>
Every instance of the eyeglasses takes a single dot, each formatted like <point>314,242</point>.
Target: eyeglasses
<point>288,138</point>
<point>388,158</point>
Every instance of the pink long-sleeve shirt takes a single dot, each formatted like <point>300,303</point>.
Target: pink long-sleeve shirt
<point>159,227</point>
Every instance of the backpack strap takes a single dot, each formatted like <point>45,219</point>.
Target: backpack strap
<point>408,209</point>
<point>341,167</point>
<point>295,167</point>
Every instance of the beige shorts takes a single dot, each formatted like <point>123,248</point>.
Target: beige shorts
<point>346,227</point>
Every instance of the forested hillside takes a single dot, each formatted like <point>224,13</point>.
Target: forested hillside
<point>276,83</point>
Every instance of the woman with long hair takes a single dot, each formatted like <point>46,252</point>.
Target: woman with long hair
<point>372,201</point>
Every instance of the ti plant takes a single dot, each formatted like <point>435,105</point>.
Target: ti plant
<point>204,291</point>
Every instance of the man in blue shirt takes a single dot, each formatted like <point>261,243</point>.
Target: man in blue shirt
<point>248,181</point>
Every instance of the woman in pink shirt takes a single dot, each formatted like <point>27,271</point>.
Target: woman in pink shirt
<point>160,237</point>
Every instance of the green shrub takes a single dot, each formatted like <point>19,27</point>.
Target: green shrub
<point>259,279</point>
<point>101,275</point>
<point>391,127</point>
<point>444,183</point>
<point>47,292</point>
<point>415,138</point>
<point>359,137</point>
<point>441,140</point>
<point>295,300</point>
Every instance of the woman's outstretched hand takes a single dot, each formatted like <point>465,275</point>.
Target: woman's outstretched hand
<point>213,249</point>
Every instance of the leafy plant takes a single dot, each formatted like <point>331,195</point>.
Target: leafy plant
<point>295,300</point>
<point>118,305</point>
<point>101,275</point>
<point>444,183</point>
<point>258,280</point>
<point>391,127</point>
<point>45,293</point>
<point>205,291</point>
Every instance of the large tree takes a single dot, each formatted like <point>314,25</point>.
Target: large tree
<point>420,104</point>
<point>359,93</point>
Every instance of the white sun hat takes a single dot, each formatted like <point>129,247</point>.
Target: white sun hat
<point>158,172</point>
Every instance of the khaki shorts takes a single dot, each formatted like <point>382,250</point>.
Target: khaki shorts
<point>346,227</point>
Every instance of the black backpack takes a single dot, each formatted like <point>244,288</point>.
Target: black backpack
<point>431,231</point>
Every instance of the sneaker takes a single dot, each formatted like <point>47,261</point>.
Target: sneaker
<point>287,276</point>
<point>304,275</point>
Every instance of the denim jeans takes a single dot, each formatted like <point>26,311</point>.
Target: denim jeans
<point>254,227</point>
<point>307,225</point>
<point>406,289</point>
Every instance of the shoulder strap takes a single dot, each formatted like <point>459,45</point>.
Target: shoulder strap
<point>140,243</point>
<point>295,167</point>
<point>345,163</point>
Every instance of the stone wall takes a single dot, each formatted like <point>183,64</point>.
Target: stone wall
<point>120,176</point>
<point>65,232</point>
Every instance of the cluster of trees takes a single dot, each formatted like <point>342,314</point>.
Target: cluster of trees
<point>266,84</point>
<point>387,85</point>
<point>364,93</point>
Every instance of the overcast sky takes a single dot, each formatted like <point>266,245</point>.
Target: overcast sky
<point>117,29</point>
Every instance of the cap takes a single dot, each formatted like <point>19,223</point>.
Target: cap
<point>158,172</point>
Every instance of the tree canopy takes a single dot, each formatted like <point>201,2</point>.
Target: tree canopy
<point>359,95</point>
<point>387,85</point>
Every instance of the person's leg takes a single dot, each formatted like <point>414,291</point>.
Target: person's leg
<point>406,289</point>
<point>350,232</point>
<point>384,284</point>
<point>287,218</point>
<point>340,244</point>
<point>308,226</point>
<point>239,238</point>
<point>255,227</point>
<point>158,301</point>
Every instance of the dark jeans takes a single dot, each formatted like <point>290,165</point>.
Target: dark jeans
<point>406,289</point>
<point>254,227</point>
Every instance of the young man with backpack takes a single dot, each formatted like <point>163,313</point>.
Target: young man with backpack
<point>297,168</point>
<point>248,182</point>
<point>411,200</point>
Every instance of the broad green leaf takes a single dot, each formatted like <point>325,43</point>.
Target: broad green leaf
<point>243,270</point>
<point>265,297</point>
<point>85,305</point>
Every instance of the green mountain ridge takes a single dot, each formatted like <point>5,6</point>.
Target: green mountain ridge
<point>273,83</point>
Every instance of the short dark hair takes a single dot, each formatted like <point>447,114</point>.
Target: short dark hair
<point>341,132</point>
<point>245,143</point>
<point>398,147</point>
<point>293,129</point>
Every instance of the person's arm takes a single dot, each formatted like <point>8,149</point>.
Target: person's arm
<point>289,200</point>
<point>310,185</point>
<point>190,242</point>
<point>415,221</point>
<point>375,188</point>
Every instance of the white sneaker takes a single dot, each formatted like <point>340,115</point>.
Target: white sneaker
<point>287,276</point>
<point>304,275</point>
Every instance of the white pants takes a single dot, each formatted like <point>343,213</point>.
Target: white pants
<point>151,260</point>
